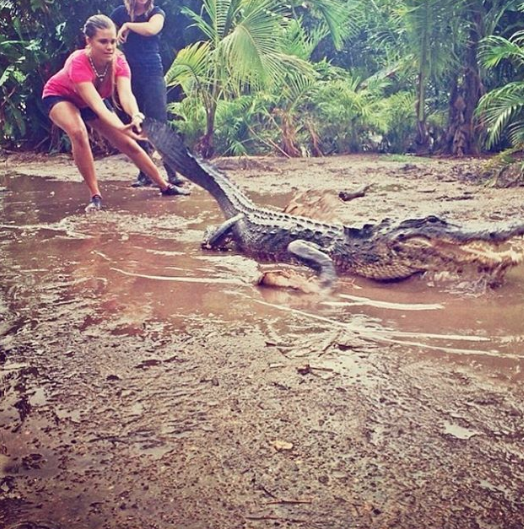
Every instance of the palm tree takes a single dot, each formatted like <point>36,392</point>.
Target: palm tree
<point>426,24</point>
<point>439,41</point>
<point>413,39</point>
<point>503,108</point>
<point>245,49</point>
<point>476,19</point>
<point>243,52</point>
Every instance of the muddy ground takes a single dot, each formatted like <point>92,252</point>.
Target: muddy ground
<point>148,384</point>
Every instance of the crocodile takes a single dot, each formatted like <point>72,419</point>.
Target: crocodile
<point>385,251</point>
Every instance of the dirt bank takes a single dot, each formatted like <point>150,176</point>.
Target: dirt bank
<point>145,383</point>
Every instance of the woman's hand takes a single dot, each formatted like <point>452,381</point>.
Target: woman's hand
<point>136,121</point>
<point>131,131</point>
<point>122,34</point>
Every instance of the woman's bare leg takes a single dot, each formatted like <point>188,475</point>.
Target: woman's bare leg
<point>67,117</point>
<point>130,147</point>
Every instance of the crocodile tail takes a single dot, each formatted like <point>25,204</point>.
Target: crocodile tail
<point>174,153</point>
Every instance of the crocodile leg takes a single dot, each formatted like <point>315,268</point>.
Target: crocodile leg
<point>218,237</point>
<point>310,255</point>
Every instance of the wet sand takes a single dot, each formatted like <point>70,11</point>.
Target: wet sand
<point>148,383</point>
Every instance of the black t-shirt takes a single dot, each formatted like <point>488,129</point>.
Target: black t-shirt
<point>142,53</point>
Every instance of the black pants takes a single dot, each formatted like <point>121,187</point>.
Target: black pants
<point>150,91</point>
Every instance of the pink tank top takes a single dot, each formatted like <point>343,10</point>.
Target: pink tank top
<point>77,69</point>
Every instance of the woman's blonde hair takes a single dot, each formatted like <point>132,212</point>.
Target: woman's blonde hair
<point>96,22</point>
<point>131,8</point>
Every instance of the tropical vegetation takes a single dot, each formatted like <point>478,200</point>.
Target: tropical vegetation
<point>299,78</point>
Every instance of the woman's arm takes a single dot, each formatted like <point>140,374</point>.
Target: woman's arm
<point>88,93</point>
<point>128,101</point>
<point>147,29</point>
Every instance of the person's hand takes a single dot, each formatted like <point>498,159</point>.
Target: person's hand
<point>130,130</point>
<point>122,34</point>
<point>136,121</point>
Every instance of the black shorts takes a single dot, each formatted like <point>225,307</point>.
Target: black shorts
<point>86,113</point>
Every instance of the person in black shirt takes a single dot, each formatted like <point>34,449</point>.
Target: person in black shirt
<point>140,23</point>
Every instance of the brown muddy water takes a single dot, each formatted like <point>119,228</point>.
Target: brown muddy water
<point>76,407</point>
<point>143,252</point>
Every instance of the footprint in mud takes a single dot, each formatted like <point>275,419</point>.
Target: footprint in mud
<point>28,462</point>
<point>145,364</point>
<point>33,461</point>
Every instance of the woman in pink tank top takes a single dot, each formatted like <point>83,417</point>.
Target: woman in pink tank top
<point>80,93</point>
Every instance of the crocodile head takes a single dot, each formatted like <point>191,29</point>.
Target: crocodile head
<point>431,245</point>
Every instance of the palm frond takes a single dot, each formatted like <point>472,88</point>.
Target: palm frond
<point>501,107</point>
<point>516,131</point>
<point>200,22</point>
<point>518,37</point>
<point>428,31</point>
<point>299,42</point>
<point>189,67</point>
<point>224,15</point>
<point>337,18</point>
<point>495,49</point>
<point>256,35</point>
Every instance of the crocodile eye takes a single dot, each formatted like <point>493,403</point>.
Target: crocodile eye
<point>432,218</point>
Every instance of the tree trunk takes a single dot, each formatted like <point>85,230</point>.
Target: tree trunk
<point>422,137</point>
<point>289,144</point>
<point>205,145</point>
<point>462,134</point>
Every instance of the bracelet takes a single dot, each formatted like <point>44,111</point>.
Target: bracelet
<point>138,115</point>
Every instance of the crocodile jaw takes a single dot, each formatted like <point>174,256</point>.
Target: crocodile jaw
<point>457,257</point>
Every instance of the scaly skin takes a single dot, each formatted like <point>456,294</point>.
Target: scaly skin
<point>383,252</point>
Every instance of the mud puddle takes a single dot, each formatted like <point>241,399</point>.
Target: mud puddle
<point>147,383</point>
<point>140,260</point>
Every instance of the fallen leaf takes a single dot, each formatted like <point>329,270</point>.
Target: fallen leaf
<point>282,445</point>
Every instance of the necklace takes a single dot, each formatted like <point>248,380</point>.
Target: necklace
<point>99,76</point>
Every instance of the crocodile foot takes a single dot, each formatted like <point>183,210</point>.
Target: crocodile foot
<point>289,279</point>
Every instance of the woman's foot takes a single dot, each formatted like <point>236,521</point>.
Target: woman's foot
<point>95,204</point>
<point>172,190</point>
<point>142,180</point>
<point>174,178</point>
